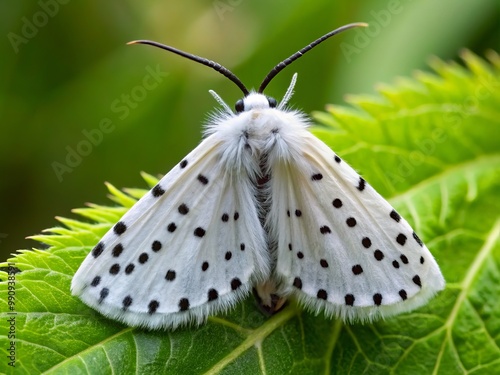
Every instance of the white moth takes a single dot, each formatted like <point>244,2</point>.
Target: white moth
<point>260,202</point>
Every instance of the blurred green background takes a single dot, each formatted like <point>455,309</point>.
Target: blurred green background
<point>67,79</point>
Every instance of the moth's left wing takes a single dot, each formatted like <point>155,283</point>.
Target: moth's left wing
<point>341,247</point>
<point>191,247</point>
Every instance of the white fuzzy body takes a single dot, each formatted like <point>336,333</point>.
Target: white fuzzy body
<point>332,264</point>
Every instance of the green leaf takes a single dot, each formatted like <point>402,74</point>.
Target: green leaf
<point>429,144</point>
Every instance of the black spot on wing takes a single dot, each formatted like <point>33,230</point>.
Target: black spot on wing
<point>357,269</point>
<point>395,216</point>
<point>153,306</point>
<point>419,241</point>
<point>202,179</point>
<point>361,184</point>
<point>98,249</point>
<point>378,255</point>
<point>199,232</point>
<point>235,283</point>
<point>401,239</point>
<point>156,246</point>
<point>183,304</point>
<point>157,191</point>
<point>322,294</point>
<point>325,229</point>
<point>127,301</point>
<point>366,242</point>
<point>349,299</point>
<point>170,276</point>
<point>117,250</point>
<point>120,228</point>
<point>103,294</point>
<point>183,209</point>
<point>212,295</point>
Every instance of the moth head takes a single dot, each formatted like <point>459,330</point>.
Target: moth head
<point>255,101</point>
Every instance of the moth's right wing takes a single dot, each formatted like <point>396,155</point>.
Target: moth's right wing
<point>341,247</point>
<point>191,247</point>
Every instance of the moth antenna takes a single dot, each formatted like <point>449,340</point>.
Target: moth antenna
<point>289,92</point>
<point>282,65</point>
<point>221,102</point>
<point>212,64</point>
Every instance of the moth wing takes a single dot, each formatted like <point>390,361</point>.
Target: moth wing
<point>191,247</point>
<point>340,247</point>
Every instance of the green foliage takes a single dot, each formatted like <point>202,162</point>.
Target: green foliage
<point>428,144</point>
